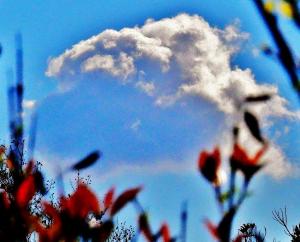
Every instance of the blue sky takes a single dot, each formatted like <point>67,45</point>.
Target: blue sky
<point>144,142</point>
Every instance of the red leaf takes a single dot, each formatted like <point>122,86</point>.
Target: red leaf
<point>213,229</point>
<point>260,153</point>
<point>29,167</point>
<point>26,191</point>
<point>5,199</point>
<point>81,202</point>
<point>240,156</point>
<point>240,160</point>
<point>108,199</point>
<point>165,233</point>
<point>123,199</point>
<point>52,232</point>
<point>209,164</point>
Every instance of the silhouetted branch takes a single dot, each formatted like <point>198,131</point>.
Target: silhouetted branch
<point>281,217</point>
<point>295,12</point>
<point>285,55</point>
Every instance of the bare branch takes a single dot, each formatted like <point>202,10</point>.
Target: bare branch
<point>281,217</point>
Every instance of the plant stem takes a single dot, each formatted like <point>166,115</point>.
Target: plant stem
<point>218,198</point>
<point>243,193</point>
<point>231,188</point>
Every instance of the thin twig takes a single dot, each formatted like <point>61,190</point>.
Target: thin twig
<point>281,217</point>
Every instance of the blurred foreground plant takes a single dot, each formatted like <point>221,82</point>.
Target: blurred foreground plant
<point>209,164</point>
<point>24,211</point>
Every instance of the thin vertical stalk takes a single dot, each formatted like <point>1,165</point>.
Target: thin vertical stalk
<point>231,188</point>
<point>243,193</point>
<point>218,194</point>
<point>183,219</point>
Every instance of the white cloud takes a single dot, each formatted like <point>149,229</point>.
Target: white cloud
<point>186,48</point>
<point>186,44</point>
<point>29,104</point>
<point>122,67</point>
<point>147,87</point>
<point>166,167</point>
<point>276,164</point>
<point>51,168</point>
<point>135,126</point>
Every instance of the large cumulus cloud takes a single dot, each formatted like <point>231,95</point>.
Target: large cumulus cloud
<point>191,58</point>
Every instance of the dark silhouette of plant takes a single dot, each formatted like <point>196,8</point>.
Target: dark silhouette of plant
<point>249,233</point>
<point>24,211</point>
<point>122,233</point>
<point>284,53</point>
<point>281,217</point>
<point>296,233</point>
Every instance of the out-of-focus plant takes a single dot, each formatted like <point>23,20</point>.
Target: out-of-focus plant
<point>249,233</point>
<point>284,54</point>
<point>122,233</point>
<point>149,235</point>
<point>209,165</point>
<point>287,8</point>
<point>24,211</point>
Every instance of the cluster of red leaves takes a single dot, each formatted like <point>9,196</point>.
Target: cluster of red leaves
<point>240,160</point>
<point>209,164</point>
<point>69,220</point>
<point>17,223</point>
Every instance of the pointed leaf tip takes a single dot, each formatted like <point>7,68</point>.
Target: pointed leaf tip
<point>253,125</point>
<point>123,199</point>
<point>109,197</point>
<point>87,161</point>
<point>165,233</point>
<point>258,98</point>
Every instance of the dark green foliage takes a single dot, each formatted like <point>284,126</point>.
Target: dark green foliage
<point>122,233</point>
<point>249,233</point>
<point>296,233</point>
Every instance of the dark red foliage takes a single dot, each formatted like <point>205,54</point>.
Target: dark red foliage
<point>209,164</point>
<point>240,160</point>
<point>213,229</point>
<point>165,233</point>
<point>123,199</point>
<point>26,191</point>
<point>102,233</point>
<point>53,232</point>
<point>82,202</point>
<point>109,197</point>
